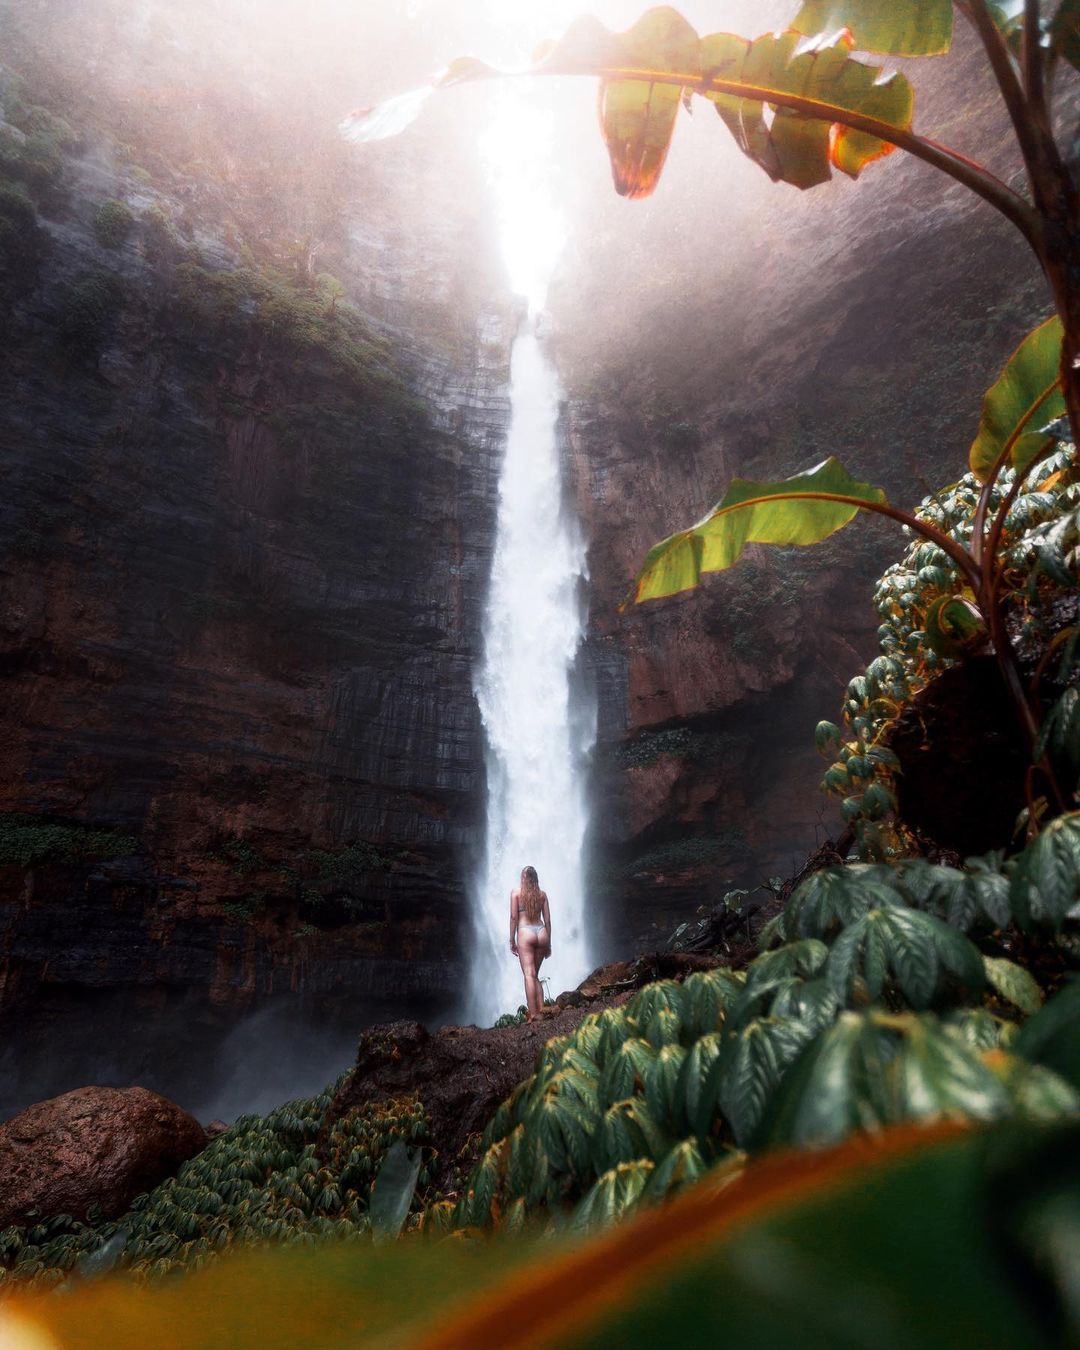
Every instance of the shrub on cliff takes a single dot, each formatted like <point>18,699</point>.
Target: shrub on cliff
<point>87,311</point>
<point>112,224</point>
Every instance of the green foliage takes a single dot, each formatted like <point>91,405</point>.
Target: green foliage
<point>87,312</point>
<point>803,510</point>
<point>828,1033</point>
<point>265,1180</point>
<point>26,841</point>
<point>1025,398</point>
<point>918,28</point>
<point>264,305</point>
<point>112,224</point>
<point>1039,551</point>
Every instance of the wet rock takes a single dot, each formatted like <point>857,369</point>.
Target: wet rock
<point>95,1146</point>
<point>461,1074</point>
<point>622,976</point>
<point>573,998</point>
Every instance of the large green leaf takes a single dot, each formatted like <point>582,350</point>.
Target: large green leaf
<point>837,1086</point>
<point>788,101</point>
<point>1045,882</point>
<point>803,146</point>
<point>637,117</point>
<point>936,1075</point>
<point>835,896</point>
<point>393,1191</point>
<point>915,949</point>
<point>893,27</point>
<point>694,1110</point>
<point>1013,983</point>
<point>1052,1036</point>
<point>803,509</point>
<point>751,1064</point>
<point>1025,397</point>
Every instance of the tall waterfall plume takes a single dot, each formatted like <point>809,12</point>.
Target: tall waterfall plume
<point>536,737</point>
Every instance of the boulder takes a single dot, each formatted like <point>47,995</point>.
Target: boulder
<point>619,977</point>
<point>95,1146</point>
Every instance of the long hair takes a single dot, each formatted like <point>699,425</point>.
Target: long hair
<point>532,897</point>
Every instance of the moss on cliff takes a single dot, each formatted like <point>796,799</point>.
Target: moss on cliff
<point>28,840</point>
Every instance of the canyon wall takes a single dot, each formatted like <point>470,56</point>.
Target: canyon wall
<point>250,463</point>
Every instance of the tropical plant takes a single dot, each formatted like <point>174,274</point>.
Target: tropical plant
<point>770,1262</point>
<point>892,998</point>
<point>290,1177</point>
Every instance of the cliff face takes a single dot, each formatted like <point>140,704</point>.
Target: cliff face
<point>729,326</point>
<point>247,522</point>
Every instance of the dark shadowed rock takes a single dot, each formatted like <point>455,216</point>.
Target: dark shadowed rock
<point>621,976</point>
<point>94,1146</point>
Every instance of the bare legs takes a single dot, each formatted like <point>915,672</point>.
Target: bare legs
<point>531,953</point>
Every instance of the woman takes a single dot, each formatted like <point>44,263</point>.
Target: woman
<point>530,935</point>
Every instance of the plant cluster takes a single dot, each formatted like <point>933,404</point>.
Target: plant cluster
<point>892,998</point>
<point>26,841</point>
<point>924,630</point>
<point>267,1179</point>
<point>112,224</point>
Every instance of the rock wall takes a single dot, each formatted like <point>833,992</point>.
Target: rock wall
<point>247,522</point>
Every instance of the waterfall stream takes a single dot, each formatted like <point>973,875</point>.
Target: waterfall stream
<point>536,737</point>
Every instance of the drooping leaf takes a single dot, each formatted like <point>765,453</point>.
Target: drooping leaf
<point>706,997</point>
<point>914,948</point>
<point>803,146</point>
<point>393,1191</point>
<point>835,896</point>
<point>637,117</point>
<point>1045,883</point>
<point>1013,983</point>
<point>693,1083</point>
<point>662,1082</point>
<point>680,1166</point>
<point>751,1064</point>
<point>953,627</point>
<point>1052,1036</point>
<point>625,1071</point>
<point>1024,398</point>
<point>837,1086</point>
<point>613,1196</point>
<point>935,1075</point>
<point>804,509</point>
<point>892,27</point>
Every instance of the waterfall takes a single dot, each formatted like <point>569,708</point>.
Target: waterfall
<point>536,804</point>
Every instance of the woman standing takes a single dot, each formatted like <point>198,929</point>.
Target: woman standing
<point>530,935</point>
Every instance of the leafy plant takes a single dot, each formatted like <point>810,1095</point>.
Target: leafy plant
<point>768,1261</point>
<point>285,1178</point>
<point>112,224</point>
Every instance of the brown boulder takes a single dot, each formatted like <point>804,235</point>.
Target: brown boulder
<point>94,1146</point>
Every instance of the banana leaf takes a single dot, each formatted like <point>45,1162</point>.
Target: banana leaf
<point>893,27</point>
<point>804,509</point>
<point>1026,396</point>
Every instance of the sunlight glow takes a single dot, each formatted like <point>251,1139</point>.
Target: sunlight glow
<point>518,150</point>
